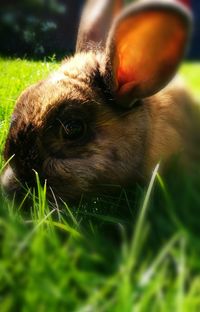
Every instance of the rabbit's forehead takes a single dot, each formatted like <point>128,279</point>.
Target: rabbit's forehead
<point>50,95</point>
<point>72,81</point>
<point>72,85</point>
<point>80,67</point>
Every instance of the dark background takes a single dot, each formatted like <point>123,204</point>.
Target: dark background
<point>38,28</point>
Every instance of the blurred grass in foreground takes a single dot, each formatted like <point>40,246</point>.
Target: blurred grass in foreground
<point>137,252</point>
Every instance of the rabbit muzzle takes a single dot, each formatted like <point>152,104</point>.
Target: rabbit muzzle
<point>9,183</point>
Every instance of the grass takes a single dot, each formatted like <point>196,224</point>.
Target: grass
<point>138,252</point>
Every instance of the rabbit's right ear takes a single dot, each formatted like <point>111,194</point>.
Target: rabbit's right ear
<point>144,48</point>
<point>95,23</point>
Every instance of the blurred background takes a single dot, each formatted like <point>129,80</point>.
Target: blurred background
<point>38,28</point>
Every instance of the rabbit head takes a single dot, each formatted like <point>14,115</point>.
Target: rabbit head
<point>87,125</point>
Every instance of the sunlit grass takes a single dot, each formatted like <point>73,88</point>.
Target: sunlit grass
<point>191,73</point>
<point>138,252</point>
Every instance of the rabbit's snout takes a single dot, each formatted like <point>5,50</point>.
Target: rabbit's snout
<point>9,182</point>
<point>15,189</point>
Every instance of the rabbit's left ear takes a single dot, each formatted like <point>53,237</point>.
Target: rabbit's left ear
<point>144,48</point>
<point>95,23</point>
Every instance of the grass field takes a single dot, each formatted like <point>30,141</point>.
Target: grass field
<point>137,252</point>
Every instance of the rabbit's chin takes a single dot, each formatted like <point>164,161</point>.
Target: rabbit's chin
<point>23,196</point>
<point>59,191</point>
<point>75,198</point>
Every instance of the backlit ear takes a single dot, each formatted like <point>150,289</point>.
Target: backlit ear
<point>145,46</point>
<point>95,23</point>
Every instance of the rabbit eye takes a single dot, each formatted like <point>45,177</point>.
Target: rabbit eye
<point>74,129</point>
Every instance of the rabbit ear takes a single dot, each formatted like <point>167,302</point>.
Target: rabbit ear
<point>144,48</point>
<point>95,23</point>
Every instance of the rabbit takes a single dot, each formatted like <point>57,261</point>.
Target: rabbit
<point>112,111</point>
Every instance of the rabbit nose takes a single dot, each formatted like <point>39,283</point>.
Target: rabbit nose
<point>9,183</point>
